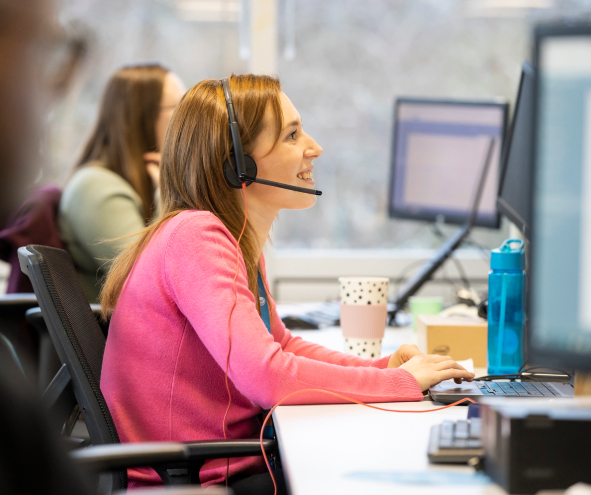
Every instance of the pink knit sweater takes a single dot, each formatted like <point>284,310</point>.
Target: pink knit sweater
<point>163,369</point>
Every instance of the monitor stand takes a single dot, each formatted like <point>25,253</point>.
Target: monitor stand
<point>414,283</point>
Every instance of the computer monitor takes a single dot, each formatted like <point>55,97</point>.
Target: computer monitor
<point>560,292</point>
<point>514,200</point>
<point>416,281</point>
<point>437,150</point>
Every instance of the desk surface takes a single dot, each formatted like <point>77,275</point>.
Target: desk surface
<point>351,449</point>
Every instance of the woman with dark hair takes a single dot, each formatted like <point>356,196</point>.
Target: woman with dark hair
<point>196,349</point>
<point>114,190</point>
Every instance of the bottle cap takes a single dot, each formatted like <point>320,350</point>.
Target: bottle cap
<point>507,257</point>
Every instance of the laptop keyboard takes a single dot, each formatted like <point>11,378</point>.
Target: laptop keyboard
<point>514,389</point>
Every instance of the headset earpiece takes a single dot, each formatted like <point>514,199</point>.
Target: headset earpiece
<point>230,171</point>
<point>248,167</point>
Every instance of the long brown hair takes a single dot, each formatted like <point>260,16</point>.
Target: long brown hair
<point>126,127</point>
<point>196,145</point>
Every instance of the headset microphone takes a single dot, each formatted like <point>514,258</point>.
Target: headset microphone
<point>240,168</point>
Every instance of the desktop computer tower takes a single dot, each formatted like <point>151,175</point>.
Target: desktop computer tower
<point>536,445</point>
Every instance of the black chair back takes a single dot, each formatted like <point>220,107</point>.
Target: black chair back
<point>78,340</point>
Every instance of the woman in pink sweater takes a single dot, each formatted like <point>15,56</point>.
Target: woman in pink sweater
<point>172,292</point>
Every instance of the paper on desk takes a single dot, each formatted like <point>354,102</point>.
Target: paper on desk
<point>468,364</point>
<point>434,478</point>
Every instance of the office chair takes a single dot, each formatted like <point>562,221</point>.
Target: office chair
<point>48,362</point>
<point>23,325</point>
<point>80,344</point>
<point>33,460</point>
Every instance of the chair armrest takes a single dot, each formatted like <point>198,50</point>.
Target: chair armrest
<point>24,299</point>
<point>97,312</point>
<point>128,455</point>
<point>13,308</point>
<point>112,457</point>
<point>35,317</point>
<point>96,308</point>
<point>217,449</point>
<point>185,490</point>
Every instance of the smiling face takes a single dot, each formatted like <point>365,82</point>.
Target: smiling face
<point>288,161</point>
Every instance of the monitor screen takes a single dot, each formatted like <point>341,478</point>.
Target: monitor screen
<point>560,293</point>
<point>514,199</point>
<point>438,151</point>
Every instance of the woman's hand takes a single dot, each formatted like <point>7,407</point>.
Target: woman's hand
<point>431,369</point>
<point>403,354</point>
<point>152,160</point>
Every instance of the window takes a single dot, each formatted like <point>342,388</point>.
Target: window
<point>351,60</point>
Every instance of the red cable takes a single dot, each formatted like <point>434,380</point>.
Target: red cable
<point>230,317</point>
<point>342,397</point>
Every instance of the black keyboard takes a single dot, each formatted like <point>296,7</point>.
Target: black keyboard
<point>455,442</point>
<point>514,389</point>
<point>320,315</point>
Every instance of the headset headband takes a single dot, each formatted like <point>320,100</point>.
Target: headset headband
<point>234,131</point>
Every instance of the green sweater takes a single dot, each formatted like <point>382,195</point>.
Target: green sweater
<point>97,205</point>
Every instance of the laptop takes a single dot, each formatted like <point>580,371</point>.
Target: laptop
<point>448,391</point>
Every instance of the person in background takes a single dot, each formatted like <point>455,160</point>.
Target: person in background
<point>32,460</point>
<point>113,193</point>
<point>21,53</point>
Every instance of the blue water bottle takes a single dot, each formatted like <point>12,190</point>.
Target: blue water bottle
<point>506,303</point>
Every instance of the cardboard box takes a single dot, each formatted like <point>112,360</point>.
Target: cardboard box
<point>458,337</point>
<point>582,384</point>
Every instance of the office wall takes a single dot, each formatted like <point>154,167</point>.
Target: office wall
<point>298,275</point>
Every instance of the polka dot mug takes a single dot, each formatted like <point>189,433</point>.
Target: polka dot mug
<point>364,314</point>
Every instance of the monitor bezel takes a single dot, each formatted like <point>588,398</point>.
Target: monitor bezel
<point>503,207</point>
<point>429,217</point>
<point>539,355</point>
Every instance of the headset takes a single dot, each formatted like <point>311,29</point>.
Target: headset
<point>240,168</point>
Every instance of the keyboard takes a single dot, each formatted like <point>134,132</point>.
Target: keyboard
<point>309,316</point>
<point>514,389</point>
<point>455,442</point>
<point>448,392</point>
<point>320,315</point>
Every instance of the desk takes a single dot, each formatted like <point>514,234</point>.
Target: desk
<point>339,449</point>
